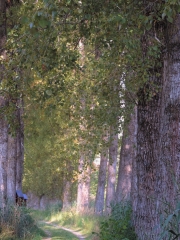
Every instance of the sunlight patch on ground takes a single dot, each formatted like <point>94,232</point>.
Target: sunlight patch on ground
<point>55,232</point>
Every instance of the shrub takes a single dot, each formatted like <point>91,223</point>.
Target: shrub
<point>16,223</point>
<point>170,222</point>
<point>55,208</point>
<point>118,225</point>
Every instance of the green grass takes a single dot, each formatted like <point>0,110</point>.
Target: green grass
<point>38,233</point>
<point>21,223</point>
<point>85,223</point>
<point>56,233</point>
<point>17,223</point>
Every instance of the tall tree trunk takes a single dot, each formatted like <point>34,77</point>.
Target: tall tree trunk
<point>134,189</point>
<point>80,183</point>
<point>99,202</point>
<point>145,209</point>
<point>67,189</point>
<point>84,164</point>
<point>20,146</point>
<point>158,143</point>
<point>3,102</point>
<point>2,28</point>
<point>3,157</point>
<point>83,185</point>
<point>18,141</point>
<point>146,214</point>
<point>168,179</point>
<point>11,169</point>
<point>111,178</point>
<point>127,155</point>
<point>67,194</point>
<point>86,186</point>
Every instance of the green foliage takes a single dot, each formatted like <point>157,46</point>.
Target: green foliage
<point>56,232</point>
<point>118,225</point>
<point>86,222</point>
<point>93,184</point>
<point>16,223</point>
<point>43,46</point>
<point>45,171</point>
<point>170,222</point>
<point>55,208</point>
<point>43,60</point>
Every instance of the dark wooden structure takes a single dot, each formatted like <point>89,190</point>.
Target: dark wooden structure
<point>25,199</point>
<point>21,198</point>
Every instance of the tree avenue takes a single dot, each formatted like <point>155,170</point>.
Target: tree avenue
<point>74,76</point>
<point>11,127</point>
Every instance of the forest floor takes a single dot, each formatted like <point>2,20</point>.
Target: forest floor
<point>55,232</point>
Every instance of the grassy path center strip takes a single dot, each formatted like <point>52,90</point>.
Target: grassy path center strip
<point>55,232</point>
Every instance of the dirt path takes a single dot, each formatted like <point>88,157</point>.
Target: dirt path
<point>75,233</point>
<point>78,235</point>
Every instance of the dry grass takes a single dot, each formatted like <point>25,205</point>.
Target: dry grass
<point>16,223</point>
<point>6,232</point>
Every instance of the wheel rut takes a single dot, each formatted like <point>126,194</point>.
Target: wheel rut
<point>75,233</point>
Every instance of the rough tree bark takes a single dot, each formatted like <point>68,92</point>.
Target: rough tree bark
<point>15,155</point>
<point>2,28</point>
<point>158,142</point>
<point>146,214</point>
<point>83,191</point>
<point>134,191</point>
<point>127,156</point>
<point>99,202</point>
<point>67,194</point>
<point>8,144</point>
<point>168,179</point>
<point>80,183</point>
<point>84,168</point>
<point>145,209</point>
<point>111,178</point>
<point>3,102</point>
<point>20,146</point>
<point>67,186</point>
<point>11,169</point>
<point>86,187</point>
<point>3,157</point>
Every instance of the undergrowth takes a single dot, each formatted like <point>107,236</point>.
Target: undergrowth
<point>17,223</point>
<point>84,222</point>
<point>170,222</point>
<point>87,220</point>
<point>118,225</point>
